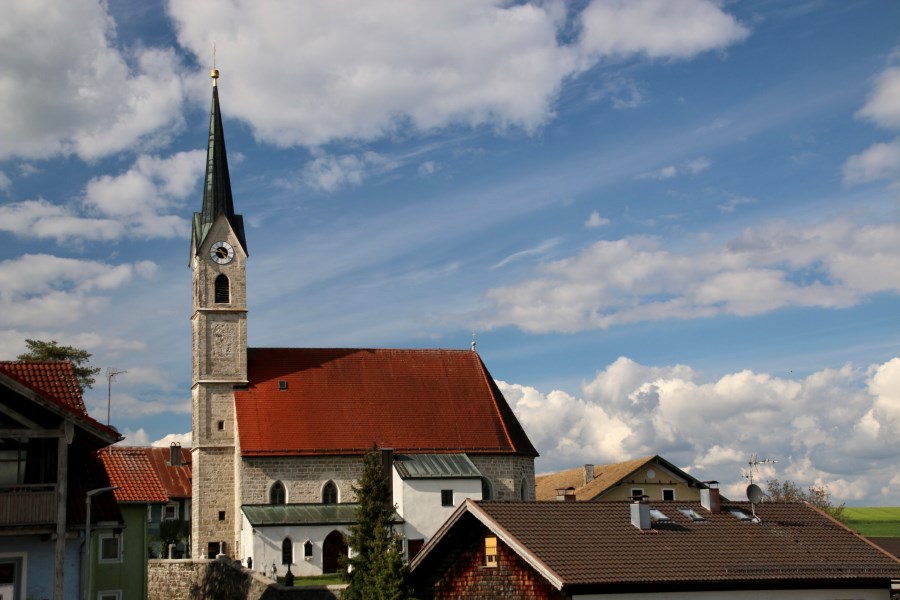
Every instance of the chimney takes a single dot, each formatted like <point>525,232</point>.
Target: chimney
<point>709,497</point>
<point>640,513</point>
<point>565,494</point>
<point>588,474</point>
<point>175,454</point>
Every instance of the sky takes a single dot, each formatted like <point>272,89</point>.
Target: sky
<point>671,225</point>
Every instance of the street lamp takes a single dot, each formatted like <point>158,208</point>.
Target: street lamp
<point>87,537</point>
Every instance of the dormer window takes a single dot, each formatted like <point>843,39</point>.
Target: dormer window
<point>223,290</point>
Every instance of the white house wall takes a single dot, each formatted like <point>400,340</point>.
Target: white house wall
<point>266,547</point>
<point>419,502</point>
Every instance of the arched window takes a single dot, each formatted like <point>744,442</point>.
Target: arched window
<point>287,551</point>
<point>485,489</point>
<point>307,549</point>
<point>329,493</point>
<point>523,490</point>
<point>223,290</point>
<point>277,495</point>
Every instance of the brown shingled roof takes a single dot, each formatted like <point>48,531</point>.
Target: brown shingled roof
<point>595,544</point>
<point>345,400</point>
<point>146,475</point>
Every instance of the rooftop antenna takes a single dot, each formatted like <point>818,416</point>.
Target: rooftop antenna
<point>754,493</point>
<point>473,341</point>
<point>110,373</point>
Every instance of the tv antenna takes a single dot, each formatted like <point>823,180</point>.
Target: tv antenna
<point>111,372</point>
<point>754,493</point>
<point>754,463</point>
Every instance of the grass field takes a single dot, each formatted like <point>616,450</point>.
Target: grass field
<point>873,522</point>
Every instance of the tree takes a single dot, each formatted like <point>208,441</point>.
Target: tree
<point>39,350</point>
<point>378,570</point>
<point>817,495</point>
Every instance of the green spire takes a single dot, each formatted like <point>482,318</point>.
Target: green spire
<point>217,184</point>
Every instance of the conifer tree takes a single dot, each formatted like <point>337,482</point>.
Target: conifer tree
<point>378,569</point>
<point>39,350</point>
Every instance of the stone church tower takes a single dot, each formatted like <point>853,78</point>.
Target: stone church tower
<point>219,357</point>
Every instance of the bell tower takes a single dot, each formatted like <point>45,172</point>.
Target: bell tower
<point>219,352</point>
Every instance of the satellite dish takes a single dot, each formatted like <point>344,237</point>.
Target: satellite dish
<point>754,493</point>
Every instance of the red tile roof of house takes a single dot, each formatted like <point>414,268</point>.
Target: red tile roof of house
<point>595,544</point>
<point>146,475</point>
<point>54,381</point>
<point>346,400</point>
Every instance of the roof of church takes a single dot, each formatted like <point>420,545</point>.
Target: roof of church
<point>344,401</point>
<point>262,515</point>
<point>435,466</point>
<point>146,475</point>
<point>217,198</point>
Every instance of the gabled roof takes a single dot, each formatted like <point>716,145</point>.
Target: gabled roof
<point>146,475</point>
<point>55,382</point>
<point>605,477</point>
<point>594,545</point>
<point>342,401</point>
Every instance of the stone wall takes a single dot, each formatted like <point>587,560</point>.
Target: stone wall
<point>303,477</point>
<point>222,580</point>
<point>505,473</point>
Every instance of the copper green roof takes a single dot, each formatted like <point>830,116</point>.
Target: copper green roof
<point>435,466</point>
<point>217,184</point>
<point>261,515</point>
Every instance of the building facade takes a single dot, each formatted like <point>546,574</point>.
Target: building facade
<point>279,433</point>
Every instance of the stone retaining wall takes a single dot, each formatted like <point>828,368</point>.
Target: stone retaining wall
<point>222,580</point>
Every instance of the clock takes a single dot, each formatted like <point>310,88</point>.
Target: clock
<point>221,252</point>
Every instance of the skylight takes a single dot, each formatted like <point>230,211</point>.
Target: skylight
<point>691,514</point>
<point>740,514</point>
<point>659,516</point>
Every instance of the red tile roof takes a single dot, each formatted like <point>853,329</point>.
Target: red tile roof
<point>146,475</point>
<point>594,543</point>
<point>346,400</point>
<point>56,382</point>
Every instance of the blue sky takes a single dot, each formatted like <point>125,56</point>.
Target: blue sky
<point>673,226</point>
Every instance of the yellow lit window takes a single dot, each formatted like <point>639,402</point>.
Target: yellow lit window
<point>490,551</point>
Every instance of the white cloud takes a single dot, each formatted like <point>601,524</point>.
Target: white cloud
<point>134,438</point>
<point>691,167</point>
<point>595,220</point>
<point>658,28</point>
<point>663,173</point>
<point>883,105</point>
<point>810,425</point>
<point>5,183</point>
<point>72,90</point>
<point>879,161</point>
<point>731,204</point>
<point>40,290</point>
<point>538,250</point>
<point>833,264</point>
<point>698,165</point>
<point>421,66</point>
<point>329,173</point>
<point>182,438</point>
<point>135,203</point>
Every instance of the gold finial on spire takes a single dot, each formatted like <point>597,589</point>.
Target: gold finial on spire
<point>215,72</point>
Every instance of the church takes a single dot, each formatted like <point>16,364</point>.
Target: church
<point>279,433</point>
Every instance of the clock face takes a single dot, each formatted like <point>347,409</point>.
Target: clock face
<point>221,252</point>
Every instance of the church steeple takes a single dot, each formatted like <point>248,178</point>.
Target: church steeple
<point>217,184</point>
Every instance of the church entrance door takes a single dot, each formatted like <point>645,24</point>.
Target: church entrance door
<point>333,548</point>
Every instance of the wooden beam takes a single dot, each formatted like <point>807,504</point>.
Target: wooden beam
<point>32,433</point>
<point>9,412</point>
<point>66,433</point>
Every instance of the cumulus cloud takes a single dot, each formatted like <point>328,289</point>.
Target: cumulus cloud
<point>833,264</point>
<point>691,167</point>
<point>883,105</point>
<point>879,161</point>
<point>595,220</point>
<point>329,173</point>
<point>424,66</point>
<point>73,91</point>
<point>817,427</point>
<point>182,438</point>
<point>658,28</point>
<point>39,290</point>
<point>135,203</point>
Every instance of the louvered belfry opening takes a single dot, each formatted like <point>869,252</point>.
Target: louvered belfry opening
<point>223,290</point>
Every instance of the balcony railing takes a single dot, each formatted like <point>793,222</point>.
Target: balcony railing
<point>28,504</point>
